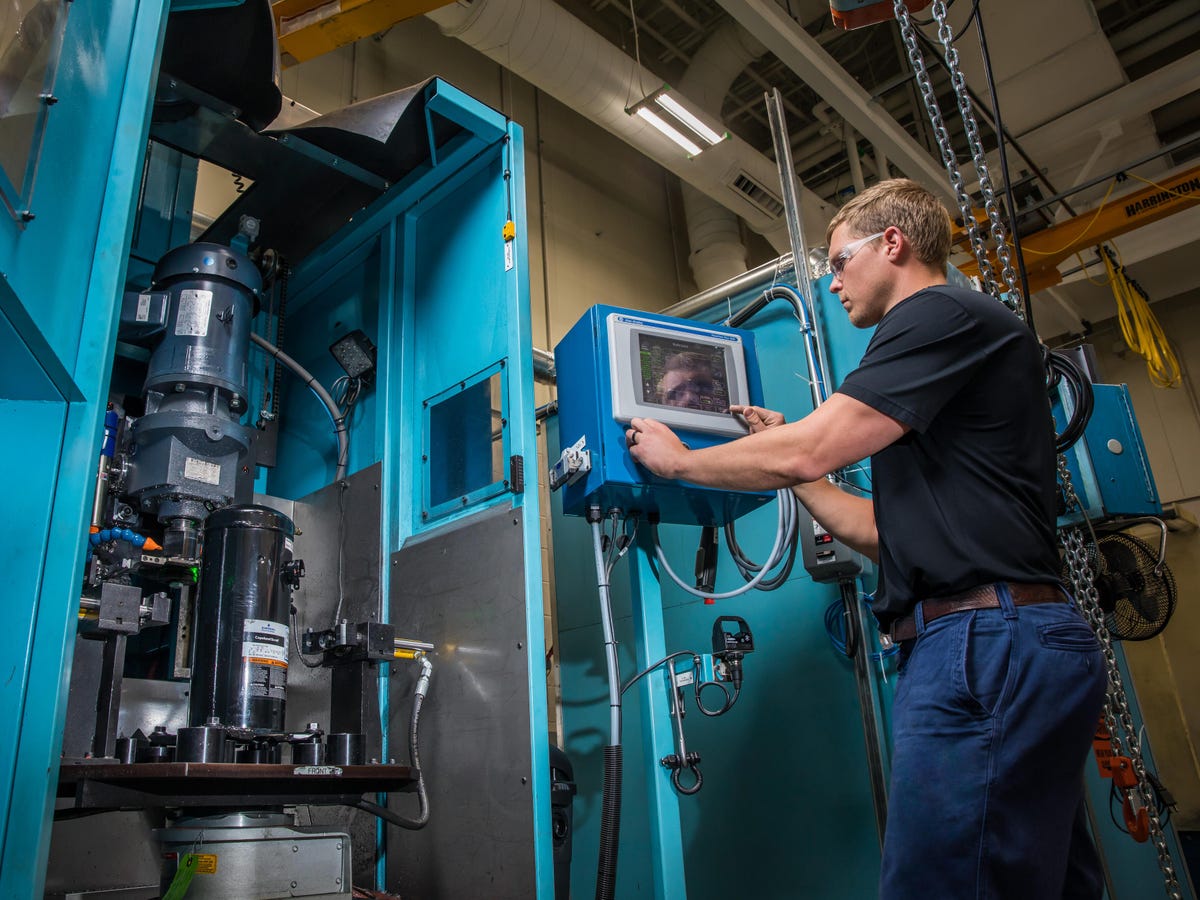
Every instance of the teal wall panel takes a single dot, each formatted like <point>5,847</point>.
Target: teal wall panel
<point>65,269</point>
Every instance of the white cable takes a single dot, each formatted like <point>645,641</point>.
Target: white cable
<point>786,524</point>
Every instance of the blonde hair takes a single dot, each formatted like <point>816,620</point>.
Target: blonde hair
<point>908,206</point>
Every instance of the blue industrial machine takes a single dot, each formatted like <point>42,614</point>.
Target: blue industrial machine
<point>1109,466</point>
<point>615,365</point>
<point>224,566</point>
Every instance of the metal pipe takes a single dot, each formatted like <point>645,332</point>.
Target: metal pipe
<point>705,300</point>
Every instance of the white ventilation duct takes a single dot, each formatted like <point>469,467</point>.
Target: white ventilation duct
<point>552,50</point>
<point>714,235</point>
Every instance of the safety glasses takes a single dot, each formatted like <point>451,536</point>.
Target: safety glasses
<point>838,263</point>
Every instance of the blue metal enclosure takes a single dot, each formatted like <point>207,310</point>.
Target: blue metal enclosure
<point>586,367</point>
<point>63,257</point>
<point>433,267</point>
<point>429,275</point>
<point>786,808</point>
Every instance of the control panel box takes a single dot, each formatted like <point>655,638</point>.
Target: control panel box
<point>615,365</point>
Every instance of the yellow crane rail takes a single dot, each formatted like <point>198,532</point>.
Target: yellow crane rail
<point>1045,249</point>
<point>309,28</point>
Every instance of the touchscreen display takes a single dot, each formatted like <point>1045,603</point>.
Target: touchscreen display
<point>682,373</point>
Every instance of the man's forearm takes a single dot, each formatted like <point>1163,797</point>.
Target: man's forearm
<point>848,518</point>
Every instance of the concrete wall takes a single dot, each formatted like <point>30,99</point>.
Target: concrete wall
<point>1166,668</point>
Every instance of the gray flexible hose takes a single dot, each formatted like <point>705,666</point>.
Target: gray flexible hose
<point>610,640</point>
<point>339,422</point>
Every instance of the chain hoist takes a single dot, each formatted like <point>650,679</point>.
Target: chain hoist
<point>1117,714</point>
<point>979,157</point>
<point>949,159</point>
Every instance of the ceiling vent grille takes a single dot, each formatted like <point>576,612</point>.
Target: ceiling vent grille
<point>756,194</point>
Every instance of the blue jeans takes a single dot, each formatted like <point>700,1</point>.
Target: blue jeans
<point>993,719</point>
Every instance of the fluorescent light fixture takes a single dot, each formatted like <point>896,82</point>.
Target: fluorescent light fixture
<point>656,120</point>
<point>671,118</point>
<point>675,108</point>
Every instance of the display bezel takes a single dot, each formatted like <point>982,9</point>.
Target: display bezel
<point>625,375</point>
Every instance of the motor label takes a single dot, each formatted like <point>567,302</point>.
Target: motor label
<point>143,308</point>
<point>201,470</point>
<point>265,658</point>
<point>195,309</point>
<point>265,642</point>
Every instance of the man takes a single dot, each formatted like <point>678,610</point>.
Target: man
<point>1001,679</point>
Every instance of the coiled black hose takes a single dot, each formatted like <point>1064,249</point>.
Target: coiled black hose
<point>610,824</point>
<point>1060,367</point>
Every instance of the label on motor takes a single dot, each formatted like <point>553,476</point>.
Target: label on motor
<point>265,642</point>
<point>201,470</point>
<point>195,309</point>
<point>265,658</point>
<point>143,308</point>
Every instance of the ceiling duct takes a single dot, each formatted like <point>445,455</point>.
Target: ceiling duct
<point>560,55</point>
<point>714,235</point>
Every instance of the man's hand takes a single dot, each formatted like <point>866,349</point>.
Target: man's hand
<point>756,418</point>
<point>656,447</point>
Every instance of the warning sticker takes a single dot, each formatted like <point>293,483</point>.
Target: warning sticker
<point>265,642</point>
<point>201,470</point>
<point>206,864</point>
<point>195,309</point>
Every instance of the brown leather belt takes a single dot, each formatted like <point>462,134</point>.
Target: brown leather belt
<point>982,597</point>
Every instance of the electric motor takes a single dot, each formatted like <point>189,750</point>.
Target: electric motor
<point>240,655</point>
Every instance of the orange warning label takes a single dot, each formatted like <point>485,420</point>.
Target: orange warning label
<point>206,864</point>
<point>267,662</point>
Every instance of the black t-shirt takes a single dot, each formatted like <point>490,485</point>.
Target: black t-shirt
<point>967,496</point>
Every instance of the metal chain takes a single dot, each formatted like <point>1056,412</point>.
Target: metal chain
<point>1117,714</point>
<point>949,159</point>
<point>979,157</point>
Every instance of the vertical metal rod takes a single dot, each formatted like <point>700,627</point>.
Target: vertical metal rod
<point>869,705</point>
<point>791,211</point>
<point>666,836</point>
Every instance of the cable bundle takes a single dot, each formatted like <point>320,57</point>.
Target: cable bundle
<point>1139,326</point>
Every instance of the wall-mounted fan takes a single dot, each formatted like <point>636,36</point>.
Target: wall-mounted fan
<point>1136,589</point>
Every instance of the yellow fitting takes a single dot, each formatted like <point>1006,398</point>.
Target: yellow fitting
<point>406,654</point>
<point>510,230</point>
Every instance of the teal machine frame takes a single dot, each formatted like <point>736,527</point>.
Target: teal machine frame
<point>787,808</point>
<point>436,270</point>
<point>63,257</point>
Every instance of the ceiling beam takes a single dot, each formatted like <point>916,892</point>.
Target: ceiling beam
<point>802,53</point>
<point>1162,86</point>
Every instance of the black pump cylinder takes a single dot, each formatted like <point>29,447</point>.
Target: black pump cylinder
<point>240,654</point>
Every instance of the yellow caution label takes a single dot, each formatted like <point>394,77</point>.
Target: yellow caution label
<point>206,863</point>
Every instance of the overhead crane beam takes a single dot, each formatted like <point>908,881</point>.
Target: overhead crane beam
<point>309,28</point>
<point>1044,250</point>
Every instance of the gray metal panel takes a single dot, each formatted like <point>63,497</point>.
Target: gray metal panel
<point>463,589</point>
<point>266,863</point>
<point>104,852</point>
<point>316,517</point>
<point>80,729</point>
<point>147,702</point>
<point>317,537</point>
